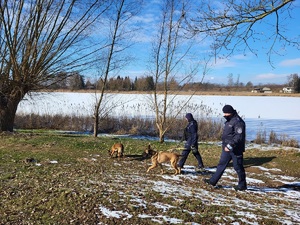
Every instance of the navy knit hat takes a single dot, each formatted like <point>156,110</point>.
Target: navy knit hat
<point>189,116</point>
<point>228,109</point>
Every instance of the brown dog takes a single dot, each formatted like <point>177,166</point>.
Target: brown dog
<point>160,157</point>
<point>117,150</point>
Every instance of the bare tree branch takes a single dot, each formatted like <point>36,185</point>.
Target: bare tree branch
<point>38,40</point>
<point>113,56</point>
<point>169,51</point>
<point>233,24</point>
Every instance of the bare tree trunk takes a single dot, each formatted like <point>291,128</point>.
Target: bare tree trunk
<point>97,110</point>
<point>161,134</point>
<point>118,18</point>
<point>7,119</point>
<point>96,122</point>
<point>8,109</point>
<point>107,69</point>
<point>168,55</point>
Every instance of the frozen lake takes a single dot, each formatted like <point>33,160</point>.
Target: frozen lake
<point>261,113</point>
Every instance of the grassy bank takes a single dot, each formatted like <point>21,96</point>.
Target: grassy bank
<point>69,179</point>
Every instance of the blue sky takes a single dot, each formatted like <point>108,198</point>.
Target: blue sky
<point>245,65</point>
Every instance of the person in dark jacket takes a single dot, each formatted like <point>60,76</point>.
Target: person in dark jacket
<point>233,147</point>
<point>191,144</point>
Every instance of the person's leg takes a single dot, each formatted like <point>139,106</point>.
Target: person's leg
<point>238,165</point>
<point>224,160</point>
<point>184,156</point>
<point>197,155</point>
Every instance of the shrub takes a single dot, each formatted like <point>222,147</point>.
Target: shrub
<point>260,137</point>
<point>273,138</point>
<point>289,142</point>
<point>209,129</point>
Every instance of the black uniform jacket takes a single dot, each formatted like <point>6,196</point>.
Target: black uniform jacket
<point>191,134</point>
<point>234,134</point>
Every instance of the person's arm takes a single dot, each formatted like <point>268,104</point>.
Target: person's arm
<point>193,132</point>
<point>237,136</point>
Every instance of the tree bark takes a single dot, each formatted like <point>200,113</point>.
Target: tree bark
<point>96,123</point>
<point>8,109</point>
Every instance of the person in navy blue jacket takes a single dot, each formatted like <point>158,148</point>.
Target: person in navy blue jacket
<point>233,147</point>
<point>191,144</point>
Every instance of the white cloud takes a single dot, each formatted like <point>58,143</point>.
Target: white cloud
<point>290,62</point>
<point>264,76</point>
<point>224,63</point>
<point>232,61</point>
<point>241,57</point>
<point>145,19</point>
<point>272,77</point>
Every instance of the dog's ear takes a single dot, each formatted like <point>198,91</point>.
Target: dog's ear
<point>148,149</point>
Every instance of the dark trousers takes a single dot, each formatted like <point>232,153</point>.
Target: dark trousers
<point>184,155</point>
<point>238,166</point>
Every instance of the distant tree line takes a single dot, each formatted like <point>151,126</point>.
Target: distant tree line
<point>77,81</point>
<point>294,82</point>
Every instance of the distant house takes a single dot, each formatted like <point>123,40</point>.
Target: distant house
<point>256,90</point>
<point>262,90</point>
<point>266,90</point>
<point>288,90</point>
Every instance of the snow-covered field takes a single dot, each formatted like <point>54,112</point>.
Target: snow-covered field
<point>261,113</point>
<point>279,203</point>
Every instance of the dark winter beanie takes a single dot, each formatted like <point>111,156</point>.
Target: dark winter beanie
<point>189,117</point>
<point>228,109</point>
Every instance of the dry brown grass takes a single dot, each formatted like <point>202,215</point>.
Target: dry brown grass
<point>86,180</point>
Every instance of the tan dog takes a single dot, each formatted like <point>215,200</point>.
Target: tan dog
<point>160,157</point>
<point>117,150</point>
